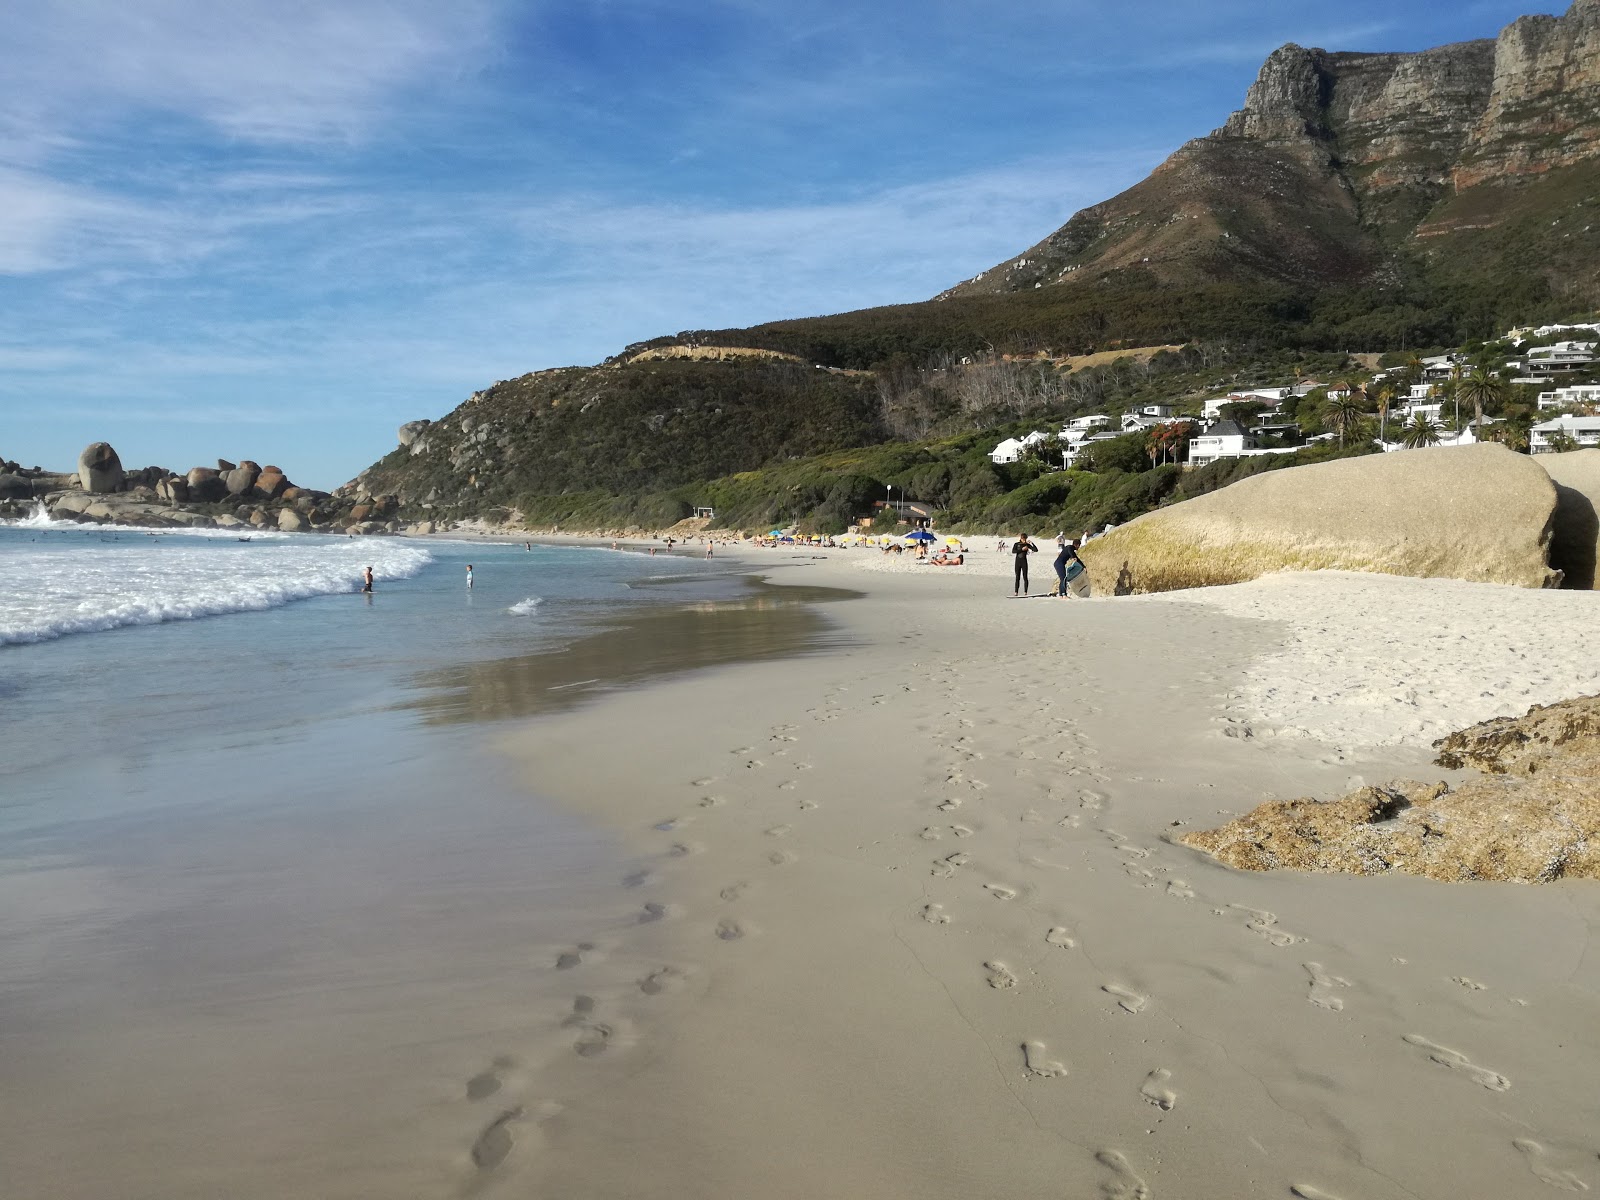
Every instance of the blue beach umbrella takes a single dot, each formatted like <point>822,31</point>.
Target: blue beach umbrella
<point>920,535</point>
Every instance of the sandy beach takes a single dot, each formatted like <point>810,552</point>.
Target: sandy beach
<point>910,919</point>
<point>901,912</point>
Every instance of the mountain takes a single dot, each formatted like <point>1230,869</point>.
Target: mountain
<point>1356,202</point>
<point>1352,169</point>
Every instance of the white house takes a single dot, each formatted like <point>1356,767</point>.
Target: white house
<point>1012,449</point>
<point>1094,421</point>
<point>1585,431</point>
<point>1545,361</point>
<point>1442,366</point>
<point>1225,439</point>
<point>1570,397</point>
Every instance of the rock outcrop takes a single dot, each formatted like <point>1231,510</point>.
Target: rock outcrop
<point>1532,817</point>
<point>99,469</point>
<point>1479,513</point>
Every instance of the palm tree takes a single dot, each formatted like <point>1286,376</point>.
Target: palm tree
<point>1383,393</point>
<point>1479,388</point>
<point>1419,432</point>
<point>1345,411</point>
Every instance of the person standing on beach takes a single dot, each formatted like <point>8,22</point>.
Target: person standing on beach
<point>1020,549</point>
<point>469,575</point>
<point>366,580</point>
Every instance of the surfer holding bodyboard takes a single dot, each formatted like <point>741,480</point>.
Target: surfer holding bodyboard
<point>1072,577</point>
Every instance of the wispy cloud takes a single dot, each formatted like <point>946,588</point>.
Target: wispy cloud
<point>261,70</point>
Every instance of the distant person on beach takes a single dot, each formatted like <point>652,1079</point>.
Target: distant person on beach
<point>469,574</point>
<point>710,546</point>
<point>366,580</point>
<point>1020,549</point>
<point>1067,551</point>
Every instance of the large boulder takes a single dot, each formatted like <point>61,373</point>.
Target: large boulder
<point>99,468</point>
<point>1575,543</point>
<point>206,485</point>
<point>290,521</point>
<point>1477,512</point>
<point>174,490</point>
<point>411,430</point>
<point>271,482</point>
<point>15,487</point>
<point>240,480</point>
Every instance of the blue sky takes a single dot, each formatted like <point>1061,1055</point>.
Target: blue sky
<point>276,229</point>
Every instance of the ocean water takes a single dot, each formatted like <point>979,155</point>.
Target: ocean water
<point>252,831</point>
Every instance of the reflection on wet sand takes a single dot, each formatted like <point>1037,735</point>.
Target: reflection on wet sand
<point>764,623</point>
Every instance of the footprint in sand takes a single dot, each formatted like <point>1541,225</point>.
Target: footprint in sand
<point>1033,1058</point>
<point>1000,892</point>
<point>779,831</point>
<point>729,930</point>
<point>1178,889</point>
<point>1123,1184</point>
<point>1322,987</point>
<point>495,1142</point>
<point>1471,985</point>
<point>1458,1061</point>
<point>652,912</point>
<point>593,1040</point>
<point>807,805</point>
<point>1092,800</point>
<point>931,834</point>
<point>568,959</point>
<point>706,782</point>
<point>487,1083</point>
<point>1061,937</point>
<point>945,867</point>
<point>637,879</point>
<point>1533,1154</point>
<point>582,1010</point>
<point>1155,1090</point>
<point>781,858</point>
<point>786,786</point>
<point>683,849</point>
<point>1000,977</point>
<point>934,914</point>
<point>961,831</point>
<point>1265,925</point>
<point>712,801</point>
<point>1306,1192</point>
<point>660,980</point>
<point>734,890</point>
<point>950,805</point>
<point>1127,999</point>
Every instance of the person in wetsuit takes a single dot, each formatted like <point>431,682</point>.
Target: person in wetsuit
<point>1020,549</point>
<point>1067,552</point>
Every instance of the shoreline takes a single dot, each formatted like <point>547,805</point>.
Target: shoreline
<point>912,916</point>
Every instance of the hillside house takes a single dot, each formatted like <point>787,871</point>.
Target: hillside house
<point>1574,396</point>
<point>1093,421</point>
<point>1585,431</point>
<point>1542,362</point>
<point>1225,439</point>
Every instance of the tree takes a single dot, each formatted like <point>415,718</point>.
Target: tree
<point>1418,432</point>
<point>1344,411</point>
<point>1479,388</point>
<point>1561,442</point>
<point>1383,394</point>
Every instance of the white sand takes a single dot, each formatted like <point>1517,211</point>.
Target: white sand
<point>1377,660</point>
<point>921,931</point>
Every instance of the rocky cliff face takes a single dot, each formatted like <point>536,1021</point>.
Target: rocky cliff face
<point>1339,162</point>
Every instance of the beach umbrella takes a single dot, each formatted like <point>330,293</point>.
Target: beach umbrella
<point>920,535</point>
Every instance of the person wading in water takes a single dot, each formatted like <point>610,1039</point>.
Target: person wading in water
<point>1020,549</point>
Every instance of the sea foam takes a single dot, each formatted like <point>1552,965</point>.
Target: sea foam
<point>524,608</point>
<point>68,584</point>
